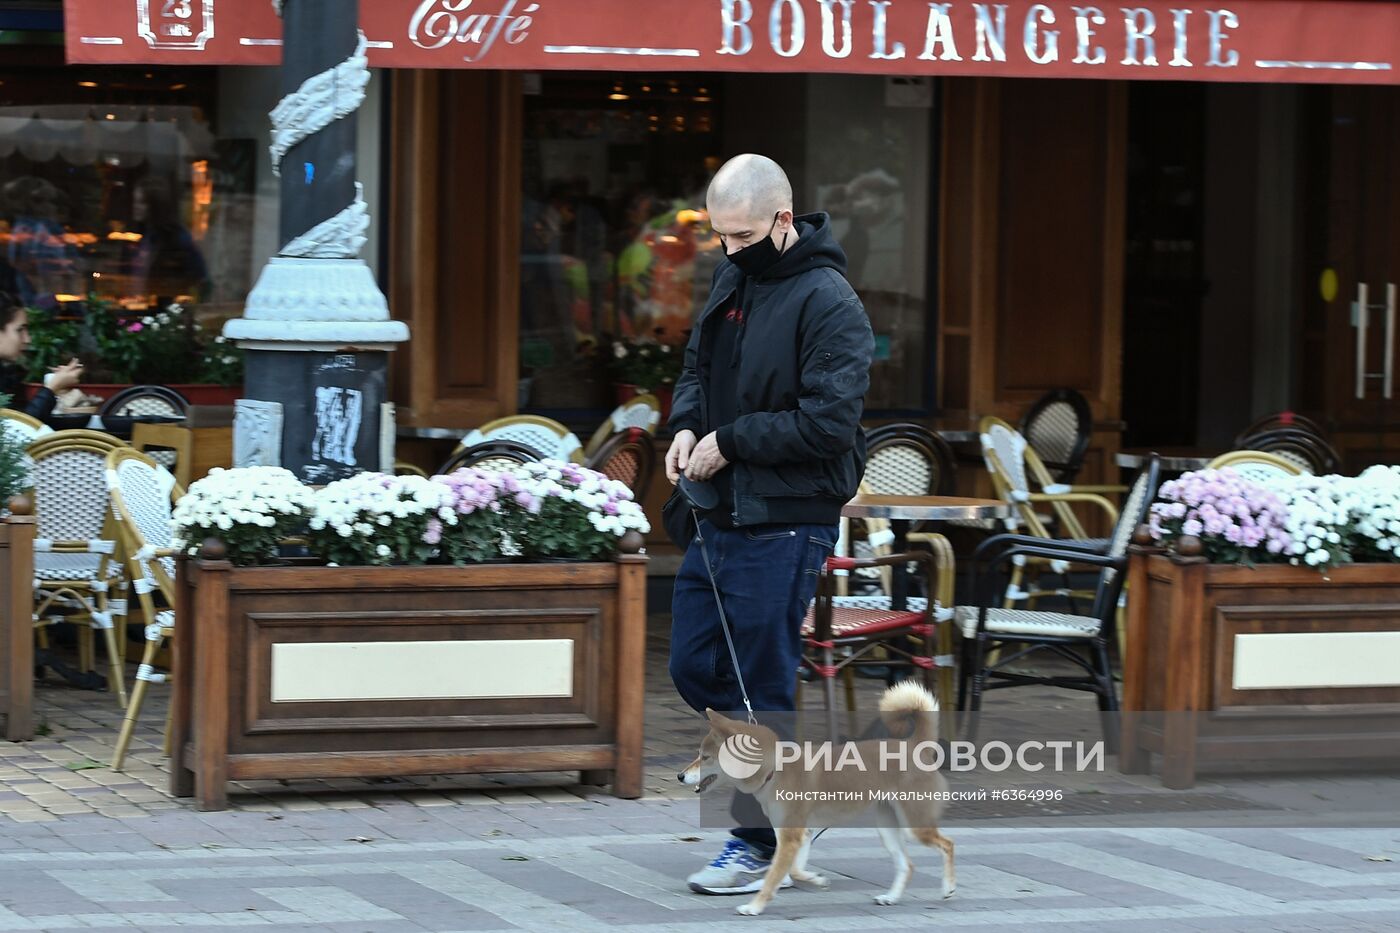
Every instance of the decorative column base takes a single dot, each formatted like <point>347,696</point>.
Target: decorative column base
<point>316,304</point>
<point>324,416</point>
<point>317,335</point>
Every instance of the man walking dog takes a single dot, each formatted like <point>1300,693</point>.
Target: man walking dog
<point>768,411</point>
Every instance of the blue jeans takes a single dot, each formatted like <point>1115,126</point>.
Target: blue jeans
<point>767,577</point>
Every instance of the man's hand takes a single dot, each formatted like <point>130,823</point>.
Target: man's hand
<point>678,457</point>
<point>65,377</point>
<point>705,459</point>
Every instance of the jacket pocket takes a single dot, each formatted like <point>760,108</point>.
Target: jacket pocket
<point>833,478</point>
<point>786,480</point>
<point>770,533</point>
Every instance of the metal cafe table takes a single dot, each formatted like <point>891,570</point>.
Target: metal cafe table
<point>1170,459</point>
<point>902,512</point>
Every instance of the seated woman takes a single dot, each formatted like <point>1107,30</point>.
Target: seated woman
<point>14,341</point>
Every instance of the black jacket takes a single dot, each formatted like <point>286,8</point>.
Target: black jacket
<point>12,384</point>
<point>805,347</point>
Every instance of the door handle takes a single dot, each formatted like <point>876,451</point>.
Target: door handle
<point>1389,337</point>
<point>1362,313</point>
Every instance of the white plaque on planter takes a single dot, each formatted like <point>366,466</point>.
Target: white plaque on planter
<point>423,670</point>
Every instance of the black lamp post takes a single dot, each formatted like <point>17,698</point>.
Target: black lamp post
<point>316,327</point>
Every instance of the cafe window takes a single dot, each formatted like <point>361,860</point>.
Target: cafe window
<point>135,186</point>
<point>615,245</point>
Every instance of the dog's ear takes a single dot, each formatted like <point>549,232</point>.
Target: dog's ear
<point>720,721</point>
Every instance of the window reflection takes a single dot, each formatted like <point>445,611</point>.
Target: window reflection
<point>137,186</point>
<point>613,245</point>
<point>616,246</point>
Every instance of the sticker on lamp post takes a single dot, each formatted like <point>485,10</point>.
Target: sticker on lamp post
<point>175,24</point>
<point>338,414</point>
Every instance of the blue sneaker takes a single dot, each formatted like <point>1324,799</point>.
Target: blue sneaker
<point>739,869</point>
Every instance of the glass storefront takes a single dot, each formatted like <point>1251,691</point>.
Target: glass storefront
<point>142,186</point>
<point>122,184</point>
<point>135,186</point>
<point>615,245</point>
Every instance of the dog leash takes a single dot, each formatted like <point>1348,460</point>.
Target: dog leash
<point>688,488</point>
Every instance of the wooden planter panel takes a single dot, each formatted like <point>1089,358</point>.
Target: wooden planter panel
<point>332,672</point>
<point>17,627</point>
<point>1266,662</point>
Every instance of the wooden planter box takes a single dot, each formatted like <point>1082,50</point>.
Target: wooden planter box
<point>17,623</point>
<point>1270,662</point>
<point>324,672</point>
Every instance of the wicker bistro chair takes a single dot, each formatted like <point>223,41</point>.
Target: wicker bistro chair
<point>23,427</point>
<point>1014,465</point>
<point>843,634</point>
<point>908,460</point>
<point>1282,419</point>
<point>642,412</point>
<point>548,438</point>
<point>1058,427</point>
<point>628,457</point>
<point>142,495</point>
<point>491,455</point>
<point>122,412</point>
<point>903,459</point>
<point>74,567</point>
<point>1256,465</point>
<point>1309,451</point>
<point>145,402</point>
<point>986,628</point>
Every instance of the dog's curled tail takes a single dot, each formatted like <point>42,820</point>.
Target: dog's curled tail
<point>910,711</point>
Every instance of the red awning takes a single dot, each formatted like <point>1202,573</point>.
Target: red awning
<point>1246,40</point>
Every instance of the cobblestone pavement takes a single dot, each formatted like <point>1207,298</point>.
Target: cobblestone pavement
<point>604,864</point>
<point>82,847</point>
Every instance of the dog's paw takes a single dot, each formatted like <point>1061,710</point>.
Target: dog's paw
<point>887,899</point>
<point>751,909</point>
<point>948,890</point>
<point>816,881</point>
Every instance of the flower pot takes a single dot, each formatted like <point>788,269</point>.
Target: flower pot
<point>1226,662</point>
<point>17,628</point>
<point>195,393</point>
<point>308,672</point>
<point>210,394</point>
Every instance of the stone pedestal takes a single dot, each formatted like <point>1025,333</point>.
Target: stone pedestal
<point>317,334</point>
<point>326,416</point>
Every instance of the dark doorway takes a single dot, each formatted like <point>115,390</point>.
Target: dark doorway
<point>1163,284</point>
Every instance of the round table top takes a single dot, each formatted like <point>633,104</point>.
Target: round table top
<point>1180,461</point>
<point>436,434</point>
<point>957,435</point>
<point>925,508</point>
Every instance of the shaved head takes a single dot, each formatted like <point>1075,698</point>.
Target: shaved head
<point>752,185</point>
<point>750,198</point>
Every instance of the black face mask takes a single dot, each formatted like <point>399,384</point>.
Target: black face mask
<point>757,258</point>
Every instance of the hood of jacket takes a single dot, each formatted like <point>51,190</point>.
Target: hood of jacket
<point>815,248</point>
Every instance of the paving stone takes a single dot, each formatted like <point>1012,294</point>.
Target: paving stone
<point>512,852</point>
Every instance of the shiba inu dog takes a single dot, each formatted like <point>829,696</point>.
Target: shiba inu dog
<point>834,785</point>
